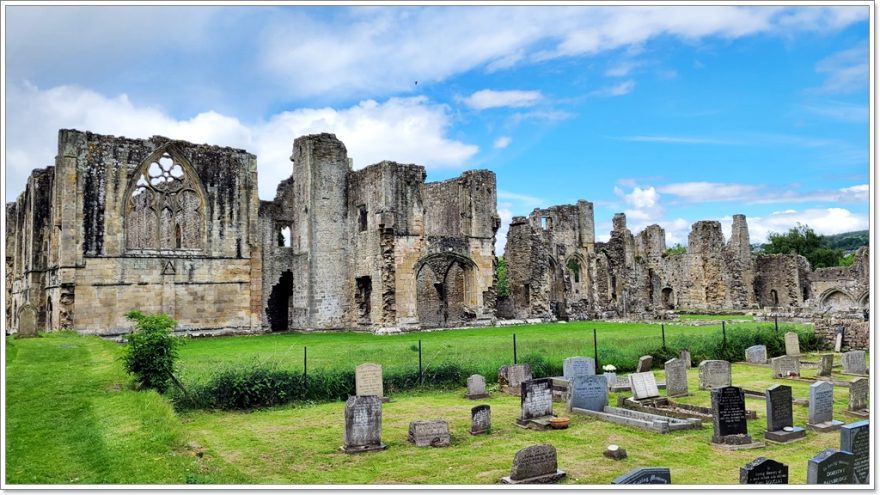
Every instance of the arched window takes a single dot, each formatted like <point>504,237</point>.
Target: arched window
<point>165,209</point>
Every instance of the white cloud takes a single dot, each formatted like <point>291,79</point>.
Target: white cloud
<point>545,115</point>
<point>501,143</point>
<point>711,191</point>
<point>400,129</point>
<point>837,110</point>
<point>705,192</point>
<point>826,221</point>
<point>616,90</point>
<point>511,204</point>
<point>846,71</point>
<point>488,98</point>
<point>643,207</point>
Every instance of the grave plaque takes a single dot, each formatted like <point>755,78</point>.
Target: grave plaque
<point>535,464</point>
<point>536,399</point>
<point>363,424</point>
<point>826,362</point>
<point>756,354</point>
<point>784,366</point>
<point>821,409</point>
<point>830,467</point>
<point>645,364</point>
<point>432,433</point>
<point>855,438</point>
<point>779,415</point>
<point>27,321</point>
<point>714,373</point>
<point>676,378</point>
<point>854,362</point>
<point>643,385</point>
<point>685,355</point>
<point>578,365</point>
<point>511,377</point>
<point>368,380</point>
<point>476,387</point>
<point>588,392</point>
<point>763,471</point>
<point>645,476</point>
<point>481,419</point>
<point>792,344</point>
<point>729,416</point>
<point>858,394</point>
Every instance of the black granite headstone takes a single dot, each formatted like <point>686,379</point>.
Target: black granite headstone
<point>763,471</point>
<point>729,411</point>
<point>830,467</point>
<point>645,476</point>
<point>855,438</point>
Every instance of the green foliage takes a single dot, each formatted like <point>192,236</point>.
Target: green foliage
<point>151,350</point>
<point>503,286</point>
<point>848,259</point>
<point>848,241</point>
<point>804,241</point>
<point>677,249</point>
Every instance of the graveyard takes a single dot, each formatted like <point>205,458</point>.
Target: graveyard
<point>118,435</point>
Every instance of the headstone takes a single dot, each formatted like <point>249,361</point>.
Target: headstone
<point>784,366</point>
<point>826,362</point>
<point>779,415</point>
<point>792,344</point>
<point>855,438</point>
<point>363,424</point>
<point>645,476</point>
<point>588,392</point>
<point>432,433</point>
<point>854,362</point>
<point>512,376</point>
<point>481,419</point>
<point>645,364</point>
<point>858,394</point>
<point>838,341</point>
<point>578,365</point>
<point>27,321</point>
<point>643,385</point>
<point>368,380</point>
<point>676,378</point>
<point>714,373</point>
<point>535,464</point>
<point>756,354</point>
<point>536,399</point>
<point>476,387</point>
<point>729,416</point>
<point>685,355</point>
<point>763,471</point>
<point>830,467</point>
<point>820,412</point>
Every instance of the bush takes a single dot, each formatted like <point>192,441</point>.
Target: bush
<point>151,350</point>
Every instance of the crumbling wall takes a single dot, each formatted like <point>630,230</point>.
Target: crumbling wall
<point>842,289</point>
<point>778,282</point>
<point>856,332</point>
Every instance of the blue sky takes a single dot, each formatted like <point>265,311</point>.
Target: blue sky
<point>670,114</point>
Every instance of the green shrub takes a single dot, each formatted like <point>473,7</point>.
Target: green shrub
<point>151,350</point>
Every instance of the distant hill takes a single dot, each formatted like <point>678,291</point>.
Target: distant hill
<point>848,241</point>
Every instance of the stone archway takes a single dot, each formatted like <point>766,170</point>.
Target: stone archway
<point>836,300</point>
<point>445,290</point>
<point>278,305</point>
<point>667,298</point>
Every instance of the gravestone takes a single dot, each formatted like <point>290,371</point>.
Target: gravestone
<point>763,471</point>
<point>481,419</point>
<point>838,341</point>
<point>645,364</point>
<point>431,433</point>
<point>536,400</point>
<point>511,377</point>
<point>368,380</point>
<point>820,412</point>
<point>643,385</point>
<point>784,366</point>
<point>645,476</point>
<point>792,344</point>
<point>830,467</point>
<point>854,362</point>
<point>858,394</point>
<point>729,416</point>
<point>676,378</point>
<point>714,373</point>
<point>779,415</point>
<point>588,392</point>
<point>756,354</point>
<point>685,355</point>
<point>826,362</point>
<point>855,438</point>
<point>535,464</point>
<point>363,424</point>
<point>476,387</point>
<point>27,322</point>
<point>578,365</point>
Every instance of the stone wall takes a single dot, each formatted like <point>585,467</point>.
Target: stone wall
<point>855,332</point>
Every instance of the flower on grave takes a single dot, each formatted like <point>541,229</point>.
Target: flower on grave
<point>609,367</point>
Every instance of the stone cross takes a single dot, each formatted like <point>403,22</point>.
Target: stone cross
<point>858,394</point>
<point>784,366</point>
<point>481,419</point>
<point>431,433</point>
<point>578,365</point>
<point>368,379</point>
<point>536,399</point>
<point>714,373</point>
<point>826,362</point>
<point>830,467</point>
<point>645,476</point>
<point>643,385</point>
<point>363,424</point>
<point>763,471</point>
<point>535,464</point>
<point>588,392</point>
<point>729,416</point>
<point>792,344</point>
<point>855,438</point>
<point>756,354</point>
<point>645,364</point>
<point>676,378</point>
<point>854,362</point>
<point>476,387</point>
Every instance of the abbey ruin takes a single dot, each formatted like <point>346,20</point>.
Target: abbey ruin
<point>161,225</point>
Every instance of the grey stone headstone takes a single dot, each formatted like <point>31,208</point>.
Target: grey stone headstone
<point>368,379</point>
<point>838,342</point>
<point>779,413</point>
<point>821,408</point>
<point>645,476</point>
<point>685,355</point>
<point>431,433</point>
<point>676,378</point>
<point>643,385</point>
<point>854,362</point>
<point>826,362</point>
<point>858,394</point>
<point>481,419</point>
<point>514,375</point>
<point>645,364</point>
<point>729,412</point>
<point>578,365</point>
<point>756,354</point>
<point>763,471</point>
<point>535,462</point>
<point>363,423</point>
<point>783,366</point>
<point>476,387</point>
<point>792,344</point>
<point>830,467</point>
<point>27,321</point>
<point>536,398</point>
<point>714,373</point>
<point>855,438</point>
<point>588,392</point>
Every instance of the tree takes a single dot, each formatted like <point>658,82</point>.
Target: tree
<point>677,249</point>
<point>151,350</point>
<point>503,287</point>
<point>804,241</point>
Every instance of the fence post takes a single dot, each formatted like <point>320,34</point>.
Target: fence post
<point>514,348</point>
<point>663,332</point>
<point>723,335</point>
<point>776,324</point>
<point>306,367</point>
<point>595,350</point>
<point>421,374</point>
